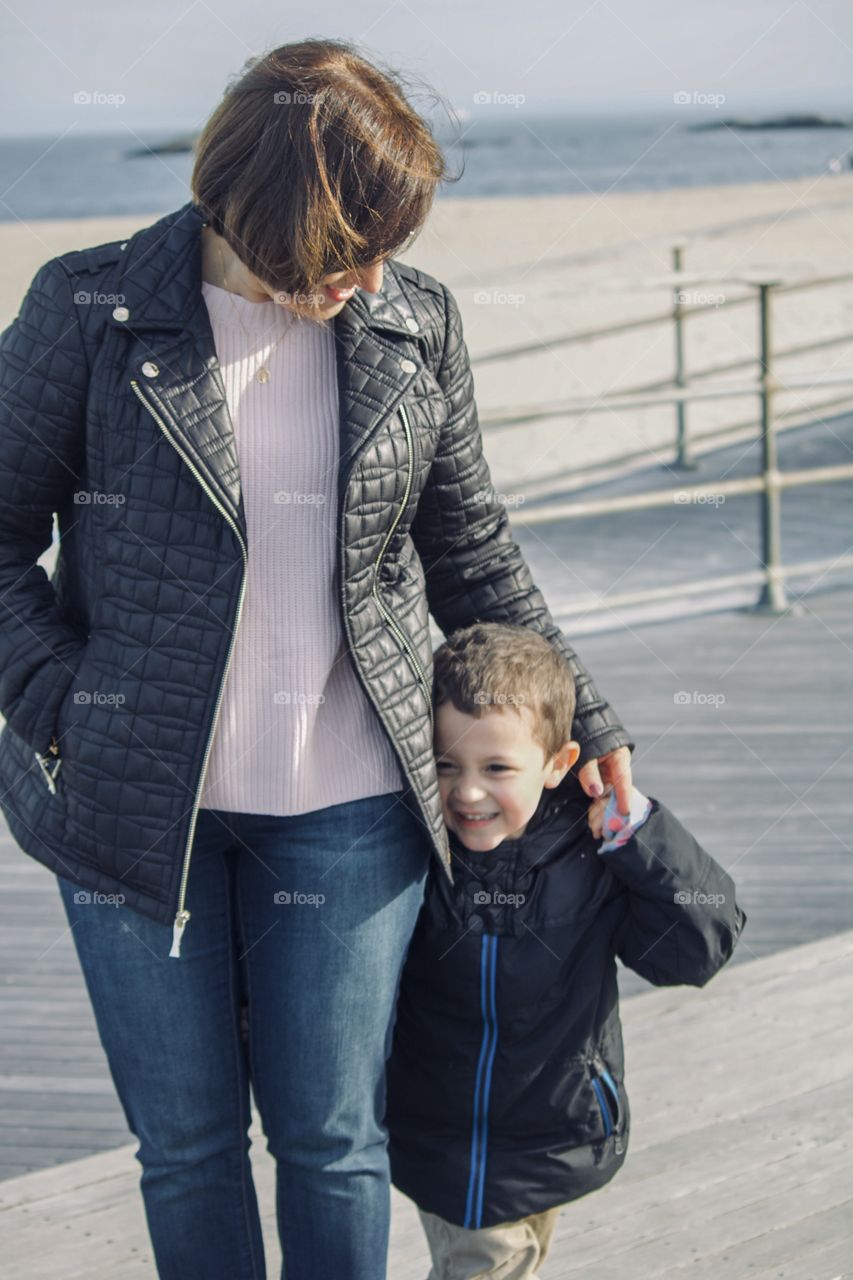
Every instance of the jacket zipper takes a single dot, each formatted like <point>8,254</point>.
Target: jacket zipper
<point>603,1107</point>
<point>601,1067</point>
<point>44,761</point>
<point>183,916</point>
<point>364,683</point>
<point>483,1084</point>
<point>401,637</point>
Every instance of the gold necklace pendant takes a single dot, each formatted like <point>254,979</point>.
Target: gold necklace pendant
<point>263,374</point>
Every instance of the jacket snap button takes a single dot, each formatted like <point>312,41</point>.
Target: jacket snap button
<point>411,323</point>
<point>408,366</point>
<point>121,313</point>
<point>150,369</point>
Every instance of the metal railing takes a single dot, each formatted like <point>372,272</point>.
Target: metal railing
<point>768,484</point>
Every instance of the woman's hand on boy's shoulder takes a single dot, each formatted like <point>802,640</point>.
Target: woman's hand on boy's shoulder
<point>611,772</point>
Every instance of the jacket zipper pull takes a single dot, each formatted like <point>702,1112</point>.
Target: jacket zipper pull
<point>178,932</point>
<point>44,760</point>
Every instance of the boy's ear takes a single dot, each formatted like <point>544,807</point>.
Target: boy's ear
<point>562,762</point>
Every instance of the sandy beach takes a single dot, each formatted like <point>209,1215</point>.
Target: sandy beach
<point>528,273</point>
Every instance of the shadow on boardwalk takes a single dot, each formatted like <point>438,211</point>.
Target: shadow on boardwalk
<point>575,561</point>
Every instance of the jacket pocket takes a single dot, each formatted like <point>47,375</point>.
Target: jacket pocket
<point>49,761</point>
<point>609,1100</point>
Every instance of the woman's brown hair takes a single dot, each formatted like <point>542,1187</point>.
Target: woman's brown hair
<point>313,163</point>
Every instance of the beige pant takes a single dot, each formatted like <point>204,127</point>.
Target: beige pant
<point>509,1251</point>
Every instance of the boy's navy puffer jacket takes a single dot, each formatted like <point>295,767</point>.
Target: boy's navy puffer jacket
<point>506,1092</point>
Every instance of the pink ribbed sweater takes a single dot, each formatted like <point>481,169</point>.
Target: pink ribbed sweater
<point>295,731</point>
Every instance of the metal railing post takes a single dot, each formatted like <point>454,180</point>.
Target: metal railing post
<point>684,456</point>
<point>772,598</point>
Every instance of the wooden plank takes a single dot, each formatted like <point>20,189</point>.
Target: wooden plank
<point>737,1244</point>
<point>57,1085</point>
<point>33,1118</point>
<point>694,1207</point>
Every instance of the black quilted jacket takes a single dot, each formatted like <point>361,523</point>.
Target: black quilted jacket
<point>506,1082</point>
<point>113,415</point>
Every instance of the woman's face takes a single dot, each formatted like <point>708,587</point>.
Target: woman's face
<point>221,266</point>
<point>334,293</point>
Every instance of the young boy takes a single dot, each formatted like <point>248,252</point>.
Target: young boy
<point>506,1094</point>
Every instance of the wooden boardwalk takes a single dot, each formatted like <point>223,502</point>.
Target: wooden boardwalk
<point>740,1161</point>
<point>757,760</point>
<point>764,780</point>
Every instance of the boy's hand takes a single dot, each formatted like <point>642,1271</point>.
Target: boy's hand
<point>595,814</point>
<point>615,829</point>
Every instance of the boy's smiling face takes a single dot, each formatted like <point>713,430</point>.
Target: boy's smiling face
<point>493,766</point>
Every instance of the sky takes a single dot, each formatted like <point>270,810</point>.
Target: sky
<point>161,66</point>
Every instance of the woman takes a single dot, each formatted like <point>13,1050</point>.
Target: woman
<point>259,435</point>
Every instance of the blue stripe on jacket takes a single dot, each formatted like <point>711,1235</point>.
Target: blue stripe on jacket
<point>485,1063</point>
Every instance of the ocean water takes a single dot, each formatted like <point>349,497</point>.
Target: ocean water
<point>80,175</point>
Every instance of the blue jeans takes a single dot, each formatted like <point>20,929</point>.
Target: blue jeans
<point>308,917</point>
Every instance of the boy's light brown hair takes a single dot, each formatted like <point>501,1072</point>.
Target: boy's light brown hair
<point>500,665</point>
<point>315,162</point>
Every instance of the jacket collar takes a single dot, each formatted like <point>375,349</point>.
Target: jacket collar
<point>558,822</point>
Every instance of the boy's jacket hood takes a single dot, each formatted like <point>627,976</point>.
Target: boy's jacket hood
<point>557,830</point>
